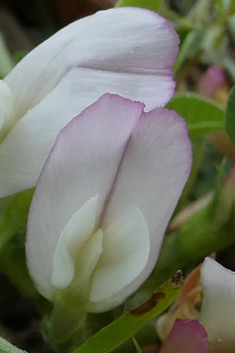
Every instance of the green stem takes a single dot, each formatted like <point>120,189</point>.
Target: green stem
<point>65,329</point>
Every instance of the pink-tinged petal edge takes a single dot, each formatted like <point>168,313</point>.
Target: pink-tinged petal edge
<point>159,145</point>
<point>186,336</point>
<point>158,161</point>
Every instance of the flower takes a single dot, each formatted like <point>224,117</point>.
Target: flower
<point>186,336</point>
<point>211,81</point>
<point>126,51</point>
<point>218,306</point>
<point>217,314</point>
<point>103,201</point>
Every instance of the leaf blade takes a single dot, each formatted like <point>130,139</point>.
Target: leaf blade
<point>6,347</point>
<point>230,116</point>
<point>129,323</point>
<point>211,118</point>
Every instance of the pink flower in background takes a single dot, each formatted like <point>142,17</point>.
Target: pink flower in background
<point>103,201</point>
<point>211,81</point>
<point>126,51</point>
<point>186,336</point>
<point>217,314</point>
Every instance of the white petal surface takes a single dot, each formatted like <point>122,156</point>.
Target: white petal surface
<point>154,170</point>
<point>126,247</point>
<point>87,261</point>
<point>82,164</point>
<point>127,51</point>
<point>218,306</point>
<point>75,234</point>
<point>124,40</point>
<point>22,147</point>
<point>76,295</point>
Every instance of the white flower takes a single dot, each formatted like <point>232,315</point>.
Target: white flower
<point>126,51</point>
<point>103,201</point>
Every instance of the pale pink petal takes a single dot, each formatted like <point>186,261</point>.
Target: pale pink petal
<point>218,306</point>
<point>82,164</point>
<point>154,170</point>
<point>186,336</point>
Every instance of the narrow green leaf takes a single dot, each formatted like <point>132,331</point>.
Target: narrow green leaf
<point>154,5</point>
<point>228,6</point>
<point>6,347</point>
<point>219,5</point>
<point>189,48</point>
<point>129,323</point>
<point>231,10</point>
<point>202,115</point>
<point>182,33</point>
<point>230,116</point>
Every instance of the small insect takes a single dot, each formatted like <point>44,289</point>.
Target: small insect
<point>149,304</point>
<point>177,279</point>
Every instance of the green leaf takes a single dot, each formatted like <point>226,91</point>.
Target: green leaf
<point>154,5</point>
<point>6,347</point>
<point>219,5</point>
<point>14,218</point>
<point>182,33</point>
<point>12,247</point>
<point>202,115</point>
<point>230,116</point>
<point>231,10</point>
<point>129,323</point>
<point>6,62</point>
<point>19,55</point>
<point>228,7</point>
<point>190,47</point>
